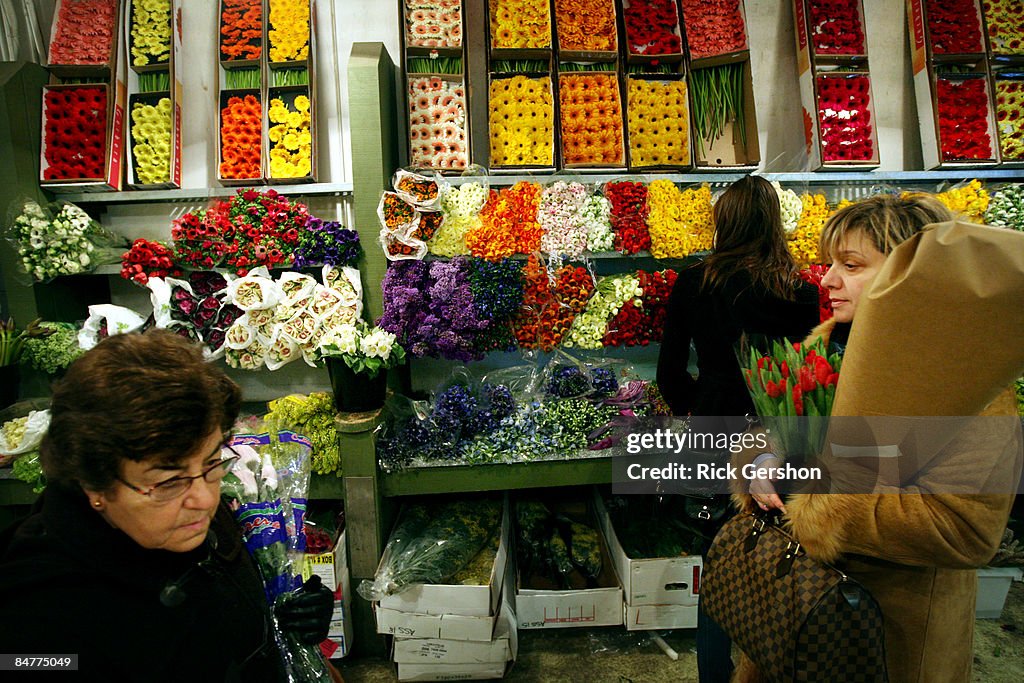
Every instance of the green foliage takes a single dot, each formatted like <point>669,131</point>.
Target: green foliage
<point>27,469</point>
<point>54,352</point>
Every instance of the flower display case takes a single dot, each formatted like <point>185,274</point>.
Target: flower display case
<point>521,121</point>
<point>240,159</point>
<point>590,120</point>
<point>84,38</point>
<point>652,31</point>
<point>438,125</point>
<point>724,117</point>
<point>1004,23</point>
<point>658,122</point>
<point>150,25</point>
<point>1008,89</point>
<point>240,34</point>
<point>834,29</point>
<point>716,31</point>
<point>431,25</point>
<point>519,29</point>
<point>586,30</point>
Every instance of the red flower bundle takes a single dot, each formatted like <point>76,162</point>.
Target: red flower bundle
<point>199,239</point>
<point>836,27</point>
<point>954,27</point>
<point>85,32</point>
<point>714,27</point>
<point>75,132</point>
<point>845,118</point>
<point>963,119</point>
<point>264,229</point>
<point>813,275</point>
<point>629,216</point>
<point>628,327</point>
<point>640,326</point>
<point>241,29</point>
<point>148,259</point>
<point>652,27</point>
<point>241,130</point>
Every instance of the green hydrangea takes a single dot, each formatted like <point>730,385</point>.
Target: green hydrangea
<point>54,352</point>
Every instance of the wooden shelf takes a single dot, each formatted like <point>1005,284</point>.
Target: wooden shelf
<point>201,193</point>
<point>499,477</point>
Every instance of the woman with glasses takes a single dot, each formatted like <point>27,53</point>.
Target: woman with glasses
<point>130,560</point>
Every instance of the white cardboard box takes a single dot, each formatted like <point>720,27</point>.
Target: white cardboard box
<point>662,581</point>
<point>332,568</point>
<point>648,617</point>
<point>446,626</point>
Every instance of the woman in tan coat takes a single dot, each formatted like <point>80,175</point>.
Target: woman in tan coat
<point>915,553</point>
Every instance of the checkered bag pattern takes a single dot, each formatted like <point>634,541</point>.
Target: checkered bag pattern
<point>796,618</point>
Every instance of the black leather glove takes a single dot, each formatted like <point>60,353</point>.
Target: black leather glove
<point>307,611</point>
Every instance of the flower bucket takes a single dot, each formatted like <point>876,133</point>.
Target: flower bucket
<point>9,379</point>
<point>993,587</point>
<point>356,392</point>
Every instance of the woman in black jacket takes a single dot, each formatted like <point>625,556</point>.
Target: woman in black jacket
<point>748,285</point>
<point>130,560</point>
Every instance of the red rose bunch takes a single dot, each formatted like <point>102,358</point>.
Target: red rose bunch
<point>652,27</point>
<point>836,27</point>
<point>264,227</point>
<point>629,216</point>
<point>148,259</point>
<point>199,239</point>
<point>85,32</point>
<point>963,119</point>
<point>954,27</point>
<point>845,118</point>
<point>714,27</point>
<point>75,132</point>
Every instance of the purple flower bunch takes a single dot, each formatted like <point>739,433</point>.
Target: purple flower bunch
<point>200,314</point>
<point>497,288</point>
<point>326,243</point>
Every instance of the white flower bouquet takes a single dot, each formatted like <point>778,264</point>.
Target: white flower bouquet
<point>365,350</point>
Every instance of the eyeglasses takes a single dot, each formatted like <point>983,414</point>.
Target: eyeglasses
<point>177,486</point>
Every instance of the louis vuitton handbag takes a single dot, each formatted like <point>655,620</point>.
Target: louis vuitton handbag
<point>796,618</point>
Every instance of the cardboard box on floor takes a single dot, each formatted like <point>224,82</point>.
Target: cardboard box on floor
<point>332,568</point>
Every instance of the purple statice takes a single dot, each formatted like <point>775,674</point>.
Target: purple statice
<point>407,311</point>
<point>326,243</point>
<point>497,294</point>
<point>451,302</point>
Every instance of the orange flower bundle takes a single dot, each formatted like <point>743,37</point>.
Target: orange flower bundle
<point>591,118</point>
<point>508,223</point>
<point>550,304</point>
<point>241,29</point>
<point>241,130</point>
<point>586,25</point>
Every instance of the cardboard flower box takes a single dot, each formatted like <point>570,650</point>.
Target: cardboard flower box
<point>1008,90</point>
<point>431,26</point>
<point>240,160</point>
<point>289,33</point>
<point>520,29</point>
<point>84,38</point>
<point>950,30</point>
<point>591,127</point>
<point>437,118</point>
<point>716,32</point>
<point>735,145</point>
<point>834,30</point>
<point>332,568</point>
<point>658,122</point>
<point>240,34</point>
<point>290,125</point>
<point>1004,24</point>
<point>521,106</point>
<point>652,31</point>
<point>150,30</point>
<point>586,30</point>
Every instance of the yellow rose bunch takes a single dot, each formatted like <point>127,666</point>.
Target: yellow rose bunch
<point>970,201</point>
<point>803,242</point>
<point>151,31</point>
<point>659,123</point>
<point>521,111</point>
<point>151,141</point>
<point>520,24</point>
<point>289,30</point>
<point>679,221</point>
<point>291,138</point>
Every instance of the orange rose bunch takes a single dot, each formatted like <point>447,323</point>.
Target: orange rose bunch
<point>241,130</point>
<point>586,25</point>
<point>591,118</point>
<point>241,29</point>
<point>508,223</point>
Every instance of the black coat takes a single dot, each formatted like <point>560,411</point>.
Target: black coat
<point>715,320</point>
<point>72,584</point>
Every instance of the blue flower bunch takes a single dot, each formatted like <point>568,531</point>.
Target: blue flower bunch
<point>327,243</point>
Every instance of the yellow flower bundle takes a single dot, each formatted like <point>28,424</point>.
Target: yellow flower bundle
<point>659,123</point>
<point>591,118</point>
<point>679,221</point>
<point>521,110</point>
<point>150,32</point>
<point>520,24</point>
<point>290,137</point>
<point>586,25</point>
<point>289,30</point>
<point>803,242</point>
<point>970,201</point>
<point>151,141</point>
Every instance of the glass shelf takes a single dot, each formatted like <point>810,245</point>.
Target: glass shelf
<point>200,193</point>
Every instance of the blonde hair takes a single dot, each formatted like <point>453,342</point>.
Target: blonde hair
<point>887,220</point>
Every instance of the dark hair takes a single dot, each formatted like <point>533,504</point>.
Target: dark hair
<point>749,238</point>
<point>135,397</point>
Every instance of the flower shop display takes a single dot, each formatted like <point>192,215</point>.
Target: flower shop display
<point>149,33</point>
<point>313,417</point>
<point>61,240</point>
<point>836,27</point>
<point>970,200</point>
<point>678,221</point>
<point>803,241</point>
<point>965,119</point>
<point>520,24</point>
<point>845,118</point>
<point>241,137</point>
<point>54,350</point>
<point>508,223</point>
<point>550,304</point>
<point>290,134</point>
<point>629,216</point>
<point>652,27</point>
<point>241,30</point>
<point>146,259</point>
<point>560,217</point>
<point>1005,22</point>
<point>720,103</point>
<point>610,294</point>
<point>954,27</point>
<point>714,27</point>
<point>461,207</point>
<point>586,26</point>
<point>521,114</point>
<point>288,30</point>
<point>151,128</point>
<point>1006,207</point>
<point>74,132</point>
<point>591,119</point>
<point>433,23</point>
<point>1010,117</point>
<point>84,32</point>
<point>437,123</point>
<point>659,123</point>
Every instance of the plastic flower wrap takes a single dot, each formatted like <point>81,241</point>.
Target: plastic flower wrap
<point>199,239</point>
<point>714,27</point>
<point>642,321</point>
<point>586,26</point>
<point>74,132</point>
<point>954,27</point>
<point>550,304</point>
<point>521,112</point>
<point>1006,208</point>
<point>845,118</point>
<point>591,119</point>
<point>150,31</point>
<point>151,141</point>
<point>611,293</point>
<point>55,351</point>
<point>629,216</point>
<point>1010,117</point>
<point>1005,22</point>
<point>313,417</point>
<point>520,24</point>
<point>679,221</point>
<point>963,110</point>
<point>241,29</point>
<point>791,206</point>
<point>461,206</point>
<point>596,219</point>
<point>561,218</point>
<point>433,23</point>
<point>437,123</point>
<point>659,123</point>
<point>652,27</point>
<point>195,308</point>
<point>803,242</point>
<point>241,135</point>
<point>290,137</point>
<point>267,490</point>
<point>85,33</point>
<point>146,259</point>
<point>288,30</point>
<point>970,200</point>
<point>265,226</point>
<point>836,27</point>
